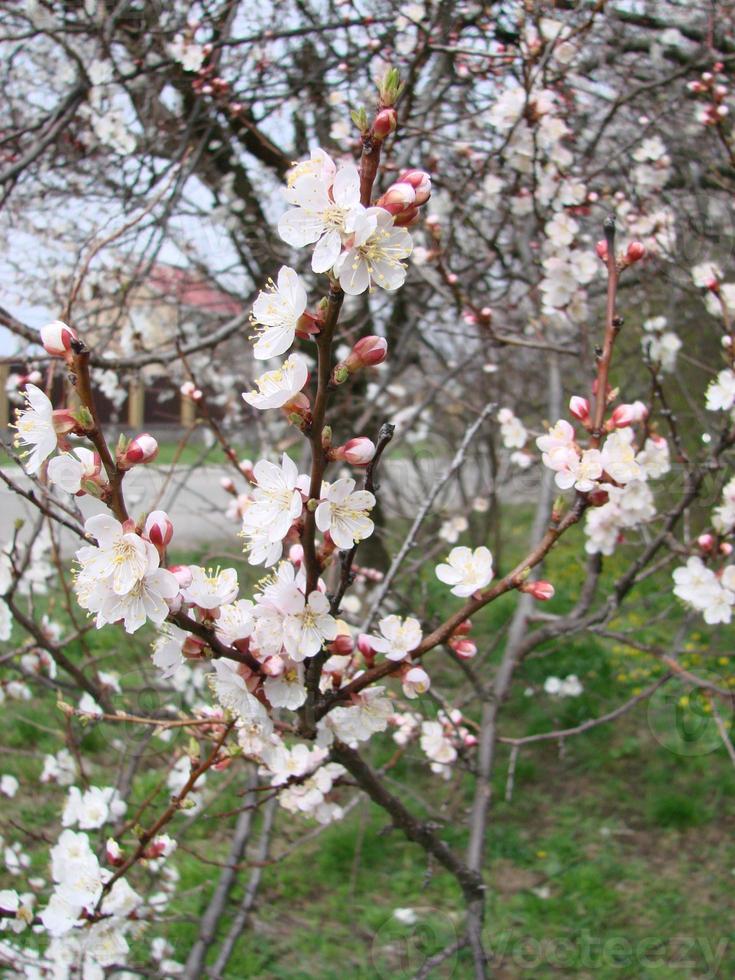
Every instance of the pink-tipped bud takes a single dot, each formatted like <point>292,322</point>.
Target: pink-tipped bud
<point>397,198</point>
<point>465,648</point>
<point>385,123</point>
<point>274,666</point>
<point>635,251</point>
<point>56,338</point>
<point>367,352</point>
<point>63,421</point>
<point>246,468</point>
<point>142,449</point>
<point>706,542</point>
<point>579,407</point>
<point>469,741</point>
<point>726,548</point>
<point>539,590</point>
<point>113,853</point>
<point>421,183</point>
<point>357,452</point>
<point>342,645</point>
<point>160,847</point>
<point>464,628</point>
<point>406,218</point>
<point>183,575</point>
<point>415,681</point>
<point>640,411</point>
<point>622,416</point>
<point>364,645</point>
<point>601,249</point>
<point>193,648</point>
<point>158,528</point>
<point>296,554</point>
<point>228,485</point>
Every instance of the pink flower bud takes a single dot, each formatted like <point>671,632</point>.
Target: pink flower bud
<point>158,528</point>
<point>640,411</point>
<point>56,338</point>
<point>114,853</point>
<point>464,628</point>
<point>182,574</point>
<point>415,681</point>
<point>622,416</point>
<point>635,251</point>
<point>706,542</point>
<point>358,451</point>
<point>63,421</point>
<point>421,183</point>
<point>369,351</point>
<point>193,648</point>
<point>246,468</point>
<point>342,645</point>
<point>397,198</point>
<point>579,407</point>
<point>464,648</point>
<point>469,740</point>
<point>187,389</point>
<point>385,123</point>
<point>274,666</point>
<point>726,548</point>
<point>143,449</point>
<point>364,645</point>
<point>406,218</point>
<point>539,590</point>
<point>601,249</point>
<point>160,847</point>
<point>296,554</point>
<point>228,485</point>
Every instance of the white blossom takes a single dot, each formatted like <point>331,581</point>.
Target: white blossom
<point>466,571</point>
<point>276,388</point>
<point>35,427</point>
<point>276,313</point>
<point>343,512</point>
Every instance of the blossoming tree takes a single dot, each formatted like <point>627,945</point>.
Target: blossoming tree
<point>291,677</point>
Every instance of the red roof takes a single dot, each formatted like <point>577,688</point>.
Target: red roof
<point>186,288</point>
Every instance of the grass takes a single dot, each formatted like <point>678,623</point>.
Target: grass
<point>613,858</point>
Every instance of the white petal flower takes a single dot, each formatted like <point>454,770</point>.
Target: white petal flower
<point>276,313</point>
<point>35,427</point>
<point>121,557</point>
<point>375,255</point>
<point>466,570</point>
<point>146,600</point>
<point>399,637</point>
<point>276,388</point>
<point>306,631</point>
<point>232,693</point>
<point>721,392</point>
<point>287,689</point>
<point>211,588</point>
<point>69,470</point>
<point>276,501</point>
<point>321,213</point>
<point>343,512</point>
<point>618,457</point>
